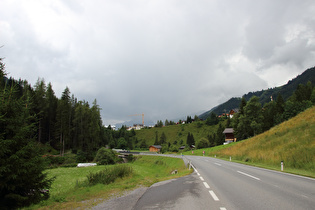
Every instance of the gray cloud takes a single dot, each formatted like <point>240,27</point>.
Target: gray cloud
<point>163,58</point>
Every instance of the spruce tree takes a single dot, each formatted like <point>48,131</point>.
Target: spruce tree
<point>22,180</point>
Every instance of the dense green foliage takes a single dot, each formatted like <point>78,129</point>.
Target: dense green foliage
<point>253,119</point>
<point>105,156</point>
<point>66,123</point>
<point>34,122</point>
<point>22,180</point>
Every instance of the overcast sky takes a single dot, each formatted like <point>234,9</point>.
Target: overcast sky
<point>163,58</point>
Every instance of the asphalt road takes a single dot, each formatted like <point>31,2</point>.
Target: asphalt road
<point>224,185</point>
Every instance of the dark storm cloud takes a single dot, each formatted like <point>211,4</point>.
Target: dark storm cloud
<point>163,58</point>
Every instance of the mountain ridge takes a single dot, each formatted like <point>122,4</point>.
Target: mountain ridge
<point>265,95</point>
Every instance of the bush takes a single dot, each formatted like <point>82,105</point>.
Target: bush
<point>109,175</point>
<point>105,156</point>
<point>173,148</point>
<point>83,157</point>
<point>54,159</point>
<point>130,158</point>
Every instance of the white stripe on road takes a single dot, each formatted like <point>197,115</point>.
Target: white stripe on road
<point>218,164</point>
<point>206,185</point>
<point>213,195</point>
<point>248,175</point>
<point>202,179</point>
<point>198,174</point>
<point>222,208</point>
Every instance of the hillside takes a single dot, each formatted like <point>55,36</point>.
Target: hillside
<point>176,133</point>
<point>293,142</point>
<point>286,91</point>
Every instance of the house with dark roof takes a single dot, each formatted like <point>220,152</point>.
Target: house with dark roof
<point>229,135</point>
<point>155,148</point>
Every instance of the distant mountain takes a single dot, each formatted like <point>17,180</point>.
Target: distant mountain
<point>286,91</point>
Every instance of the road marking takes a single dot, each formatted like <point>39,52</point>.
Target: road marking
<point>202,179</point>
<point>213,195</point>
<point>222,208</point>
<point>206,185</point>
<point>304,196</point>
<point>198,174</point>
<point>248,175</point>
<point>218,164</point>
<point>196,170</point>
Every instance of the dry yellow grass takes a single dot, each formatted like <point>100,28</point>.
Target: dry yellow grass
<point>292,142</point>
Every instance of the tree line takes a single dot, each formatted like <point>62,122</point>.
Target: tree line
<point>253,118</point>
<point>33,122</point>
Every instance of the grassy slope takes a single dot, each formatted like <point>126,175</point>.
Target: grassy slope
<point>66,194</point>
<point>176,132</point>
<point>292,141</point>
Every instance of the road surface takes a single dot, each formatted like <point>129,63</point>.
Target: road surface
<point>224,185</point>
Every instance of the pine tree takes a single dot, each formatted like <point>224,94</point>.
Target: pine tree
<point>63,119</point>
<point>219,137</point>
<point>190,139</point>
<point>51,101</point>
<point>156,142</point>
<point>163,138</point>
<point>22,180</point>
<point>40,107</point>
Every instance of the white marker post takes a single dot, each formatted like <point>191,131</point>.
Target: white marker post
<point>282,165</point>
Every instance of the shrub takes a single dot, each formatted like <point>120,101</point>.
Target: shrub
<point>109,175</point>
<point>130,158</point>
<point>54,159</point>
<point>83,157</point>
<point>105,156</point>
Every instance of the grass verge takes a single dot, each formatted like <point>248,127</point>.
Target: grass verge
<point>292,142</point>
<point>69,191</point>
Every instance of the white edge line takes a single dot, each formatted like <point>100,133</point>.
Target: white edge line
<point>222,208</point>
<point>218,164</point>
<point>202,178</point>
<point>214,196</point>
<point>248,175</point>
<point>206,185</point>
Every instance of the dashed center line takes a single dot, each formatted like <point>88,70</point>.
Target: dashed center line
<point>214,196</point>
<point>206,185</point>
<point>248,175</point>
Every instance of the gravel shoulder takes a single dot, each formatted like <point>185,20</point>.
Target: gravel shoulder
<point>127,201</point>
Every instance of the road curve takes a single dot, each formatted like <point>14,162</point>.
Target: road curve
<point>225,185</point>
<point>238,186</point>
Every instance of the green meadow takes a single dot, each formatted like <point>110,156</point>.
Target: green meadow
<point>70,189</point>
<point>177,133</point>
